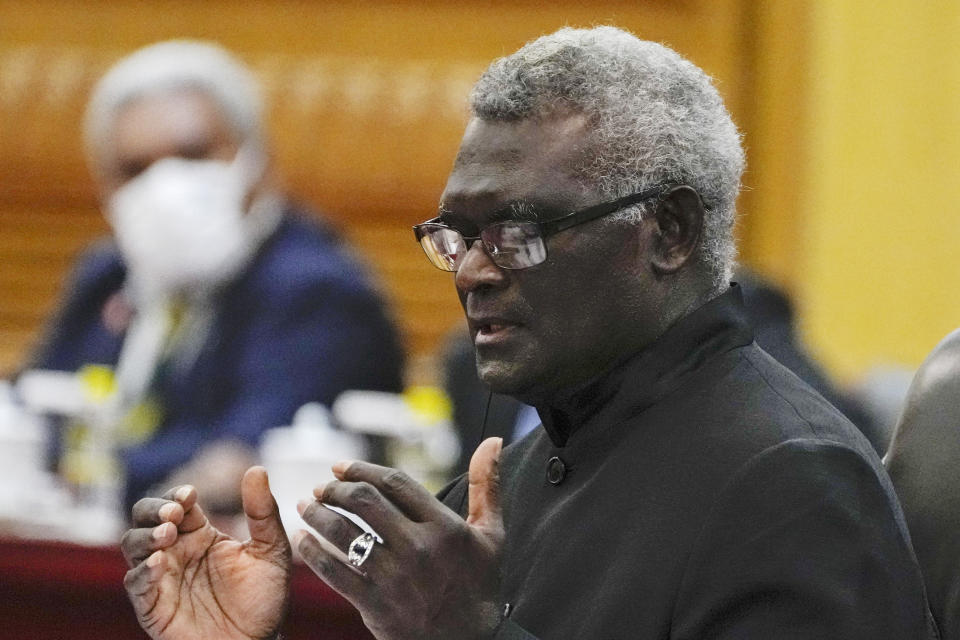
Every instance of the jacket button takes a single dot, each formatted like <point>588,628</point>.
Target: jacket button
<point>556,470</point>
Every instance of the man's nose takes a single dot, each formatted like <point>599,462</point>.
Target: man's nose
<point>478,270</point>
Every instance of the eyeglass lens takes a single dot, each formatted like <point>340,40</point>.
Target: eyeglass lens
<point>445,247</point>
<point>514,245</point>
<point>511,245</point>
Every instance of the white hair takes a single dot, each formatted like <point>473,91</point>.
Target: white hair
<point>171,66</point>
<point>656,118</point>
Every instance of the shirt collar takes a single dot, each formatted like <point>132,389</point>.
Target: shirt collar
<point>642,380</point>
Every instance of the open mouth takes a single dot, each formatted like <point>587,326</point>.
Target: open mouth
<point>491,328</point>
<point>490,333</point>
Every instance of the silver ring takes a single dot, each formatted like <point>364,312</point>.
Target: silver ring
<point>359,550</point>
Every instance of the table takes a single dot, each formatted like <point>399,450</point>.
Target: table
<point>58,591</point>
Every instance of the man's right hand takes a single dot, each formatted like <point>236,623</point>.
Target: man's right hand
<point>187,580</point>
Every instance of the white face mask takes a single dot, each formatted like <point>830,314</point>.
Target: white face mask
<point>181,226</point>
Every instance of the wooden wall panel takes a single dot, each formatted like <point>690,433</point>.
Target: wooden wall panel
<point>368,101</point>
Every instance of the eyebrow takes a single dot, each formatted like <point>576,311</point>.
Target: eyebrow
<point>520,210</point>
<point>514,210</point>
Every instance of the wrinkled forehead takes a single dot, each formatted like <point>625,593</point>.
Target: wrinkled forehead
<point>532,160</point>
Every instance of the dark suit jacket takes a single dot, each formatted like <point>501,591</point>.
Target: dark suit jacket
<point>708,493</point>
<point>301,324</point>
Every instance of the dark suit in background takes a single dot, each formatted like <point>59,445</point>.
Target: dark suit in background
<point>301,324</point>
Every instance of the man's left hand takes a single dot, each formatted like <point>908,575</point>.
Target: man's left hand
<point>435,576</point>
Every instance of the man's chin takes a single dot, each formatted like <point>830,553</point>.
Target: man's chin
<point>506,379</point>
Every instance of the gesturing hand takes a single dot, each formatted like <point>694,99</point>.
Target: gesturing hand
<point>435,576</point>
<point>190,581</point>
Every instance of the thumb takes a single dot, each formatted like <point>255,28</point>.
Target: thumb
<point>483,492</point>
<point>263,516</point>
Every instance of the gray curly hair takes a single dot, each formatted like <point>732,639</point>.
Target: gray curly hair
<point>656,118</point>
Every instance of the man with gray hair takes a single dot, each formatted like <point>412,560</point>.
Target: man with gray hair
<point>683,484</point>
<point>220,305</point>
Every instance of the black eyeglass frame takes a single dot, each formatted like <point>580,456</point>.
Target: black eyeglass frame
<point>547,228</point>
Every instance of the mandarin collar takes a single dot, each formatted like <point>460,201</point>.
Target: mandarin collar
<point>643,379</point>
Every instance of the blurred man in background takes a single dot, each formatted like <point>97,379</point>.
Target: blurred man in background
<point>222,307</point>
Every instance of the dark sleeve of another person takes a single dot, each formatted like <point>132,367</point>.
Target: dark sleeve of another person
<point>75,335</point>
<point>924,464</point>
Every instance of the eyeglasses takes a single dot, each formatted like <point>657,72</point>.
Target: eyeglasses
<point>512,244</point>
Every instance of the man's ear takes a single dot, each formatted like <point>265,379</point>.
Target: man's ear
<point>679,224</point>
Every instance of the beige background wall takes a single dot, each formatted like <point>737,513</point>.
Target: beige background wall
<point>880,217</point>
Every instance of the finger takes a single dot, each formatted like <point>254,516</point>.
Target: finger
<point>193,516</point>
<point>149,512</point>
<point>331,565</point>
<point>141,583</point>
<point>483,493</point>
<point>365,500</point>
<point>186,514</point>
<point>407,494</point>
<point>263,516</point>
<point>328,523</point>
<point>137,544</point>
